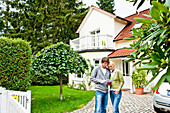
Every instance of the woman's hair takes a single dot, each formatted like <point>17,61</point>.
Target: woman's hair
<point>105,59</point>
<point>112,64</point>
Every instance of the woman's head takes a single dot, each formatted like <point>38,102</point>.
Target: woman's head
<point>112,66</point>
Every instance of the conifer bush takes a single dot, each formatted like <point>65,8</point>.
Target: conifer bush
<point>15,63</point>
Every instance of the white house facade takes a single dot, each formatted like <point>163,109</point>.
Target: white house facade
<point>101,35</point>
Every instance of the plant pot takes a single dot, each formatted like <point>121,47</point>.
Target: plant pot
<point>139,90</point>
<point>152,92</point>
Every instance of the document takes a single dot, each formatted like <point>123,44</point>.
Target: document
<point>108,80</point>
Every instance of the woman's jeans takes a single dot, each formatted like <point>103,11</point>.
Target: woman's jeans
<point>101,100</point>
<point>115,99</point>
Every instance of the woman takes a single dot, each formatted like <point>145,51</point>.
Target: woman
<point>115,87</point>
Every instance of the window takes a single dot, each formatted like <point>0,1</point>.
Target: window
<point>95,32</point>
<point>96,62</point>
<point>126,69</point>
<point>98,31</point>
<point>95,37</point>
<point>78,75</point>
<point>93,41</point>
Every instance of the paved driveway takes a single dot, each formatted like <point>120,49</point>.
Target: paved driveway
<point>130,103</point>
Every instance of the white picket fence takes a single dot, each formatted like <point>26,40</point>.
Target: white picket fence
<point>15,101</point>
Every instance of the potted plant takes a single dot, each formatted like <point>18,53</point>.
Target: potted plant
<point>152,88</point>
<point>139,80</point>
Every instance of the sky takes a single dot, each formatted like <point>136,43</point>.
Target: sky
<point>123,8</point>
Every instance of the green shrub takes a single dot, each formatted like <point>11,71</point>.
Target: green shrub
<point>54,60</point>
<point>15,63</point>
<point>44,79</point>
<point>72,86</point>
<point>139,78</point>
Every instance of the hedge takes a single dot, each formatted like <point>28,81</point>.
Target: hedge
<point>15,63</point>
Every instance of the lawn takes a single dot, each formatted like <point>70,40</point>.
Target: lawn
<point>46,99</point>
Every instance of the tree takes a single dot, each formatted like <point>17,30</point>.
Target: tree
<point>153,46</point>
<point>142,1</point>
<point>58,59</point>
<point>42,22</point>
<point>107,5</point>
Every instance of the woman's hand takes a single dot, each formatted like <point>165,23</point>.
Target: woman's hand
<point>117,92</point>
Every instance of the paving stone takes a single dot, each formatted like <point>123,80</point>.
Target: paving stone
<point>130,103</point>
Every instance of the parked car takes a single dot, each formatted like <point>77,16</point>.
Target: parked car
<point>161,98</point>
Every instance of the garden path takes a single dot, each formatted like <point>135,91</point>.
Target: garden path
<point>130,103</point>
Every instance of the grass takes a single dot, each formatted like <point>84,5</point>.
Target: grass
<point>46,99</point>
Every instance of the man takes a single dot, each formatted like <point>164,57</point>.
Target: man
<point>98,76</point>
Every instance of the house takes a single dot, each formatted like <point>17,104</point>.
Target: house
<point>120,53</point>
<point>100,35</point>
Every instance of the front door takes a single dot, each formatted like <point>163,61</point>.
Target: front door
<point>126,75</point>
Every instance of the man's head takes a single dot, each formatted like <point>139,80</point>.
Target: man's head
<point>105,62</point>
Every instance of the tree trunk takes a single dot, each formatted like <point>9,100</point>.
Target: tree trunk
<point>61,86</point>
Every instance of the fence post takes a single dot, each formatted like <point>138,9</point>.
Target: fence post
<point>1,97</point>
<point>29,101</point>
<point>7,101</point>
<point>3,102</point>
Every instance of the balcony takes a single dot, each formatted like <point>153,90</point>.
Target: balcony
<point>92,42</point>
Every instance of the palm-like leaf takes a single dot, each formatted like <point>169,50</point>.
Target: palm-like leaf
<point>153,46</point>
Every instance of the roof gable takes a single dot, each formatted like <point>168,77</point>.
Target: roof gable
<point>126,32</point>
<point>117,18</point>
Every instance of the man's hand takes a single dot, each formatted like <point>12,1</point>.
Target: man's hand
<point>102,81</point>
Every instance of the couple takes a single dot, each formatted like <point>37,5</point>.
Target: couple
<point>98,76</point>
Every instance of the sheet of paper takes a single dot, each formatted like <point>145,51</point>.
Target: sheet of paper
<point>108,80</point>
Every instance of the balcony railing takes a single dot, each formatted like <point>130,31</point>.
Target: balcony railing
<point>92,42</point>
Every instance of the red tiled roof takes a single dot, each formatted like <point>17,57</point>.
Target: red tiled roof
<point>126,32</point>
<point>121,53</point>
